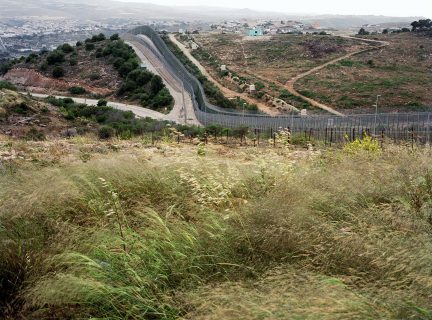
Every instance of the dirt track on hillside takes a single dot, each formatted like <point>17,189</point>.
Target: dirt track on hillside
<point>227,92</point>
<point>290,84</point>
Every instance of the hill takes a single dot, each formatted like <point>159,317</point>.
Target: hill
<point>26,118</point>
<point>29,118</point>
<point>401,73</point>
<point>99,10</point>
<point>99,67</point>
<point>268,62</point>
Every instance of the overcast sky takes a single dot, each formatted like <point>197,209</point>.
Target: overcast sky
<point>402,8</point>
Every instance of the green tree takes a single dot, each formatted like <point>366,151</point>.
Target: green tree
<point>422,25</point>
<point>98,38</point>
<point>363,32</point>
<point>156,84</point>
<point>66,48</point>
<point>114,37</point>
<point>55,57</point>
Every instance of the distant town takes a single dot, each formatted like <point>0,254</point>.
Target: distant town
<point>25,35</point>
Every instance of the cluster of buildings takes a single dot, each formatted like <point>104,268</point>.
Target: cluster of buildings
<point>389,27</point>
<point>22,36</point>
<point>260,28</point>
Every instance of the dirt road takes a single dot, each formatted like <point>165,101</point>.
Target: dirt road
<point>227,92</point>
<point>137,110</point>
<point>183,111</point>
<point>290,84</point>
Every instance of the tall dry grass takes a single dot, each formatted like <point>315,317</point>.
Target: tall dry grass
<point>244,235</point>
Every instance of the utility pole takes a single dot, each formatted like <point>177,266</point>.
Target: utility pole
<point>376,113</point>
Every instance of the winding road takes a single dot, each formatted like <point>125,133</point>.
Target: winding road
<point>290,84</point>
<point>137,110</point>
<point>182,111</point>
<point>227,92</point>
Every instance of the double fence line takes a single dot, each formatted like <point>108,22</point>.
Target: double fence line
<point>396,125</point>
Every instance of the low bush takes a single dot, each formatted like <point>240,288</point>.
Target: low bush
<point>89,46</point>
<point>58,72</point>
<point>77,90</point>
<point>7,85</point>
<point>102,103</point>
<point>119,121</point>
<point>105,132</point>
<point>35,135</point>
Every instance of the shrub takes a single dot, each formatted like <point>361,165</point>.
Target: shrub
<point>5,67</point>
<point>106,132</point>
<point>366,144</point>
<point>73,62</point>
<point>7,85</point>
<point>89,46</point>
<point>32,58</point>
<point>22,108</point>
<point>102,103</point>
<point>363,32</point>
<point>44,66</point>
<point>162,99</point>
<point>115,37</point>
<point>259,86</point>
<point>77,90</point>
<point>346,63</point>
<point>58,72</point>
<point>55,57</point>
<point>94,76</point>
<point>66,48</point>
<point>98,38</point>
<point>35,135</point>
<point>156,84</point>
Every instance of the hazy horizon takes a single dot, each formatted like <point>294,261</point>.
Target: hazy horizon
<point>313,7</point>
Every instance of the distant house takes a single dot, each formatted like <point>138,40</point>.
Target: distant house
<point>255,32</point>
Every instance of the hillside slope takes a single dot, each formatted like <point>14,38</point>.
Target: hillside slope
<point>98,68</point>
<point>24,117</point>
<point>269,62</point>
<point>401,73</point>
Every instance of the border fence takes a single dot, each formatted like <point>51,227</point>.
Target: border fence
<point>396,126</point>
